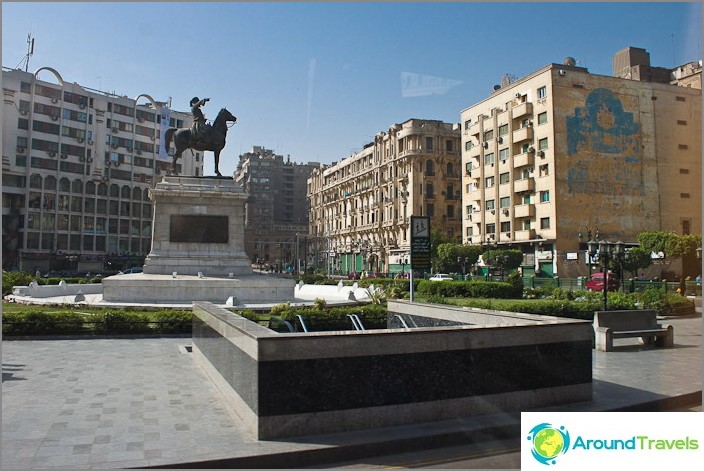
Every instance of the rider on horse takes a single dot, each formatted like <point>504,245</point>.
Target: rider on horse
<point>200,129</point>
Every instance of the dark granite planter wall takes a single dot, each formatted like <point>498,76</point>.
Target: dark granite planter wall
<point>345,380</point>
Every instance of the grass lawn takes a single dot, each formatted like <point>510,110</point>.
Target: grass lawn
<point>88,311</point>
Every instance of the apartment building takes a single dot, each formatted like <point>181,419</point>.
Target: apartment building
<point>276,212</point>
<point>562,151</point>
<point>77,165</point>
<point>360,207</point>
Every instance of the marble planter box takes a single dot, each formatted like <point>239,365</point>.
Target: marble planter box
<point>286,385</point>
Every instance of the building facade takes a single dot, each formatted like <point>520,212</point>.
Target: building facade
<point>360,207</point>
<point>276,212</point>
<point>563,152</point>
<point>77,165</point>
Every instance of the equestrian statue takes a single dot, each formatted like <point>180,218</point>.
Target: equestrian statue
<point>201,136</point>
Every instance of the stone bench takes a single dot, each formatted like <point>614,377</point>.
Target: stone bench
<point>610,325</point>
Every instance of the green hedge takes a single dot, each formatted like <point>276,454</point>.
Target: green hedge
<point>372,317</point>
<point>469,289</point>
<point>38,322</point>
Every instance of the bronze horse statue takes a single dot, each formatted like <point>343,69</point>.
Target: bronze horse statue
<point>214,139</point>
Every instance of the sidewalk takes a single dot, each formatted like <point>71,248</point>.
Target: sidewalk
<point>117,403</point>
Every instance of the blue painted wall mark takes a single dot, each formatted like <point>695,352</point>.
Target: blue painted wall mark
<point>604,136</point>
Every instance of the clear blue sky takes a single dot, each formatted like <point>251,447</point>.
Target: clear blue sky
<point>318,80</point>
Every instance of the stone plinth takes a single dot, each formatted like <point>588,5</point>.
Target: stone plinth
<point>166,289</point>
<point>198,227</point>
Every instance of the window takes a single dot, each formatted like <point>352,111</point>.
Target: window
<point>470,231</point>
<point>545,223</point>
<point>681,122</point>
<point>686,226</point>
<point>680,98</point>
<point>543,170</point>
<point>469,209</point>
<point>506,226</point>
<point>488,182</point>
<point>682,146</point>
<point>431,210</point>
<point>545,196</point>
<point>429,143</point>
<point>543,143</point>
<point>429,168</point>
<point>503,155</point>
<point>489,205</point>
<point>491,228</point>
<point>504,178</point>
<point>542,92</point>
<point>449,145</point>
<point>468,145</point>
<point>489,135</point>
<point>429,190</point>
<point>684,195</point>
<point>489,159</point>
<point>468,167</point>
<point>503,129</point>
<point>684,171</point>
<point>543,117</point>
<point>450,211</point>
<point>468,124</point>
<point>505,202</point>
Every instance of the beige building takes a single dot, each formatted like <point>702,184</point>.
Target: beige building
<point>562,151</point>
<point>360,208</point>
<point>77,164</point>
<point>276,212</point>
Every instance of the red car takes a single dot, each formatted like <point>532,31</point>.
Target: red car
<point>596,283</point>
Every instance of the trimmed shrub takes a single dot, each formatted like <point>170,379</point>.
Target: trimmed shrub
<point>469,289</point>
<point>372,316</point>
<point>15,278</point>
<point>120,322</point>
<point>173,322</point>
<point>39,322</point>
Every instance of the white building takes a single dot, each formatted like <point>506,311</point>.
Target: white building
<point>76,167</point>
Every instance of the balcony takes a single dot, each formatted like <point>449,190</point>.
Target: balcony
<point>524,211</point>
<point>526,184</point>
<point>524,235</point>
<point>523,109</point>
<point>523,134</point>
<point>521,160</point>
<point>505,237</point>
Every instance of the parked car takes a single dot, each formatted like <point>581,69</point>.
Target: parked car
<point>596,282</point>
<point>441,277</point>
<point>132,270</point>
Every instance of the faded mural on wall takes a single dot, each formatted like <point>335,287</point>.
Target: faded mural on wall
<point>608,142</point>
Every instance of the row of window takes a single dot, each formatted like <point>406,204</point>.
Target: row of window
<point>87,243</point>
<point>505,227</point>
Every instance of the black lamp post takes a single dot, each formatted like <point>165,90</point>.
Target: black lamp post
<point>580,236</point>
<point>502,259</point>
<point>606,251</point>
<point>464,262</point>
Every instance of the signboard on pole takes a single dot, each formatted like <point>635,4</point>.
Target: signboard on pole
<point>420,243</point>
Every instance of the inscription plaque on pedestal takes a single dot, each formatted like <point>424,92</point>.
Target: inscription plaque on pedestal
<point>198,229</point>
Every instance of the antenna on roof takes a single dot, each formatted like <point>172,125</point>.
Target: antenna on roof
<point>30,51</point>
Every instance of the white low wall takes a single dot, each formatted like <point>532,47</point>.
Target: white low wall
<point>338,292</point>
<point>62,289</point>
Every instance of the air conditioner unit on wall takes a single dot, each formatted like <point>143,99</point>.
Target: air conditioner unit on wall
<point>54,100</point>
<point>541,154</point>
<point>20,150</point>
<point>24,111</point>
<point>486,145</point>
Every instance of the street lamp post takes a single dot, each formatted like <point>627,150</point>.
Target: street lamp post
<point>464,262</point>
<point>580,236</point>
<point>606,251</point>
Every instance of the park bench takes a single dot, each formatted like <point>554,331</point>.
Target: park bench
<point>610,325</point>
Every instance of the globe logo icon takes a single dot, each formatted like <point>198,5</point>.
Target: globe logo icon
<point>548,442</point>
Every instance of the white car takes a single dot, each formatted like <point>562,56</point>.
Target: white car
<point>441,277</point>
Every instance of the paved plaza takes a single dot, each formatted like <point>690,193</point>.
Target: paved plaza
<point>144,402</point>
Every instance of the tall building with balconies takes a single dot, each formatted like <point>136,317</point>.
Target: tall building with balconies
<point>360,207</point>
<point>561,152</point>
<point>77,165</point>
<point>276,212</point>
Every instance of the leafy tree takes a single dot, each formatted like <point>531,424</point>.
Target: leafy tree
<point>638,258</point>
<point>506,260</point>
<point>449,252</point>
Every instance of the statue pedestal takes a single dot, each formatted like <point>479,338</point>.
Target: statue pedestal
<point>197,249</point>
<point>198,227</point>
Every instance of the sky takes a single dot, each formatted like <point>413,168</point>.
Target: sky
<point>317,80</point>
